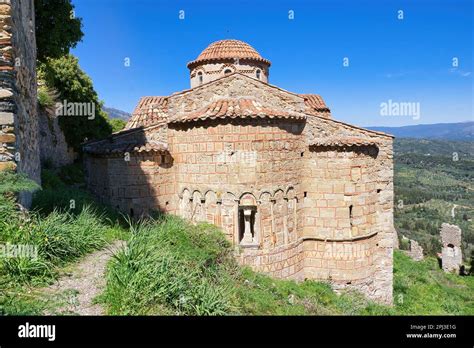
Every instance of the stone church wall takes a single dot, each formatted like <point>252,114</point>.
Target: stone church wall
<point>18,103</point>
<point>229,161</point>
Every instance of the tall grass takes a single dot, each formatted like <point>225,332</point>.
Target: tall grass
<point>171,267</point>
<point>59,235</point>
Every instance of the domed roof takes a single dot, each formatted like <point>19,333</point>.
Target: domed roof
<point>228,49</point>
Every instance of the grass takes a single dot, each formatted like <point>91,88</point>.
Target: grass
<point>421,288</point>
<point>172,267</point>
<point>59,236</point>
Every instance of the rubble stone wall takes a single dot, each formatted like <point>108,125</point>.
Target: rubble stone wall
<point>18,103</point>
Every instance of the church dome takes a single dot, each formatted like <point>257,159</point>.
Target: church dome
<point>228,49</point>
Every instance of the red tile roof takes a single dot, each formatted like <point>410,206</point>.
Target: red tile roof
<point>314,101</point>
<point>345,141</point>
<point>228,49</point>
<point>106,147</point>
<point>149,111</point>
<point>233,108</point>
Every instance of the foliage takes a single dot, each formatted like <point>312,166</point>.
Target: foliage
<point>431,176</point>
<point>173,267</point>
<point>74,86</point>
<point>421,288</point>
<point>117,124</point>
<point>59,236</point>
<point>57,29</point>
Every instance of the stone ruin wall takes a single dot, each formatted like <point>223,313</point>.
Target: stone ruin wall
<point>451,254</point>
<point>18,115</point>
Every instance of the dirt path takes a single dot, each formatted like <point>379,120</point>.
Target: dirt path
<point>74,293</point>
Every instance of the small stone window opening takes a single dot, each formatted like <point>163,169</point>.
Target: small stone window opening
<point>227,71</point>
<point>350,214</point>
<point>247,225</point>
<point>258,74</point>
<point>305,194</point>
<point>450,250</point>
<point>200,77</point>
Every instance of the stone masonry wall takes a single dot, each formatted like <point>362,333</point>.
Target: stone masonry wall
<point>18,103</point>
<point>54,149</point>
<point>256,158</point>
<point>451,253</point>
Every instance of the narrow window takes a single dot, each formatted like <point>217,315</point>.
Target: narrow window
<point>247,224</point>
<point>200,77</point>
<point>258,74</point>
<point>350,213</point>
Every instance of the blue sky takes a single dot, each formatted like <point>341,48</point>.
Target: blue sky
<point>408,60</point>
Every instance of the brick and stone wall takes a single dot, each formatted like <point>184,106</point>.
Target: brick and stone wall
<point>213,71</point>
<point>256,158</point>
<point>18,103</point>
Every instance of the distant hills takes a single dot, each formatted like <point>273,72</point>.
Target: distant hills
<point>463,131</point>
<point>115,113</point>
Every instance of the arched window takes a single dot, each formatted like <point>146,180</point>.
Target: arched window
<point>258,74</point>
<point>227,71</point>
<point>200,77</point>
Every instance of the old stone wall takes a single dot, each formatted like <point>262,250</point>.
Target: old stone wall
<point>54,149</point>
<point>451,252</point>
<point>213,71</point>
<point>347,207</point>
<point>415,251</point>
<point>18,103</point>
<point>226,162</point>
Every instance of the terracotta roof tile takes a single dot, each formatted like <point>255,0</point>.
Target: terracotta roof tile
<point>314,102</point>
<point>345,141</point>
<point>236,108</point>
<point>228,49</point>
<point>149,111</point>
<point>106,147</point>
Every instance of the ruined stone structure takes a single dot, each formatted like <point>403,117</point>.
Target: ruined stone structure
<point>299,195</point>
<point>18,118</point>
<point>451,254</point>
<point>415,251</point>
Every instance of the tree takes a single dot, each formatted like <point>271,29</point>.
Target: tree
<point>74,87</point>
<point>57,28</point>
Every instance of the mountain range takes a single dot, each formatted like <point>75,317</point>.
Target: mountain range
<point>116,113</point>
<point>462,131</point>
